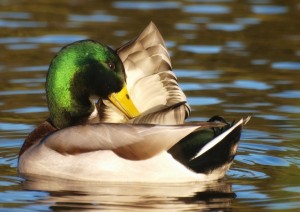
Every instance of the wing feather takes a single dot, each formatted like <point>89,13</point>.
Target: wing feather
<point>130,141</point>
<point>150,81</point>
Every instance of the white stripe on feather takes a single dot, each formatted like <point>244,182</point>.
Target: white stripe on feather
<point>217,139</point>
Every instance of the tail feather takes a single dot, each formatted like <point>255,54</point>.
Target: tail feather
<point>205,151</point>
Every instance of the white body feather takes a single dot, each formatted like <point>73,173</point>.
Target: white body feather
<point>103,166</point>
<point>98,162</point>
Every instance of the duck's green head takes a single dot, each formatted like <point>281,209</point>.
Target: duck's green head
<point>79,71</point>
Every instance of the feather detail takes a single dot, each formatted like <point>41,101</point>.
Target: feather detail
<point>210,149</point>
<point>36,135</point>
<point>172,115</point>
<point>218,139</point>
<point>150,81</point>
<point>134,142</point>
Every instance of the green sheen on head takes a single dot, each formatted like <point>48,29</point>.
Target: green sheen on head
<point>79,71</point>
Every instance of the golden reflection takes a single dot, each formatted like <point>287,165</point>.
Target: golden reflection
<point>81,196</point>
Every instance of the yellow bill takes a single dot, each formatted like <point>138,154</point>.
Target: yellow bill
<point>123,102</point>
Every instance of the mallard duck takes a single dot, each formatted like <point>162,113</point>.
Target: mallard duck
<point>135,131</point>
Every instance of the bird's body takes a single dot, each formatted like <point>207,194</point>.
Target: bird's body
<point>107,166</point>
<point>117,141</point>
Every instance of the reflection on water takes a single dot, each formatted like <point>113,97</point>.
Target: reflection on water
<point>111,196</point>
<point>232,58</point>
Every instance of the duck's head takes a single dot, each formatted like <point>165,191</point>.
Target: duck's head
<point>79,71</point>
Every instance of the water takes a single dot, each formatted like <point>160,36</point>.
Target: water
<point>232,58</point>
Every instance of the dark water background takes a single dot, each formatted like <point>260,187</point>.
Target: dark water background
<point>232,58</point>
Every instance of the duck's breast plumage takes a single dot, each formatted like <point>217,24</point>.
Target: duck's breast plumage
<point>106,166</point>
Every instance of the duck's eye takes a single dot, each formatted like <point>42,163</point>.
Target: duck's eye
<point>112,66</point>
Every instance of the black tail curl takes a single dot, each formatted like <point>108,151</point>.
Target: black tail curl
<point>220,154</point>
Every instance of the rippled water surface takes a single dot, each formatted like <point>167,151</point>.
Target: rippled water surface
<point>232,58</point>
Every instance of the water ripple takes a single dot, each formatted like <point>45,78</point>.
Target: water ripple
<point>24,196</point>
<point>248,21</point>
<point>10,143</point>
<point>146,5</point>
<point>201,74</point>
<point>201,49</point>
<point>210,1</point>
<point>207,9</point>
<point>236,45</point>
<point>225,27</point>
<point>21,92</point>
<point>248,192</point>
<point>28,110</point>
<point>246,173</point>
<point>273,117</point>
<point>15,15</point>
<point>288,109</point>
<point>265,160</point>
<point>22,46</point>
<point>292,189</point>
<point>32,68</point>
<point>262,148</point>
<point>15,127</point>
<point>269,9</point>
<point>56,39</point>
<point>200,20</point>
<point>286,65</point>
<point>287,94</point>
<point>185,26</point>
<point>252,84</point>
<point>98,16</point>
<point>20,24</point>
<point>203,100</point>
<point>259,62</point>
<point>28,80</point>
